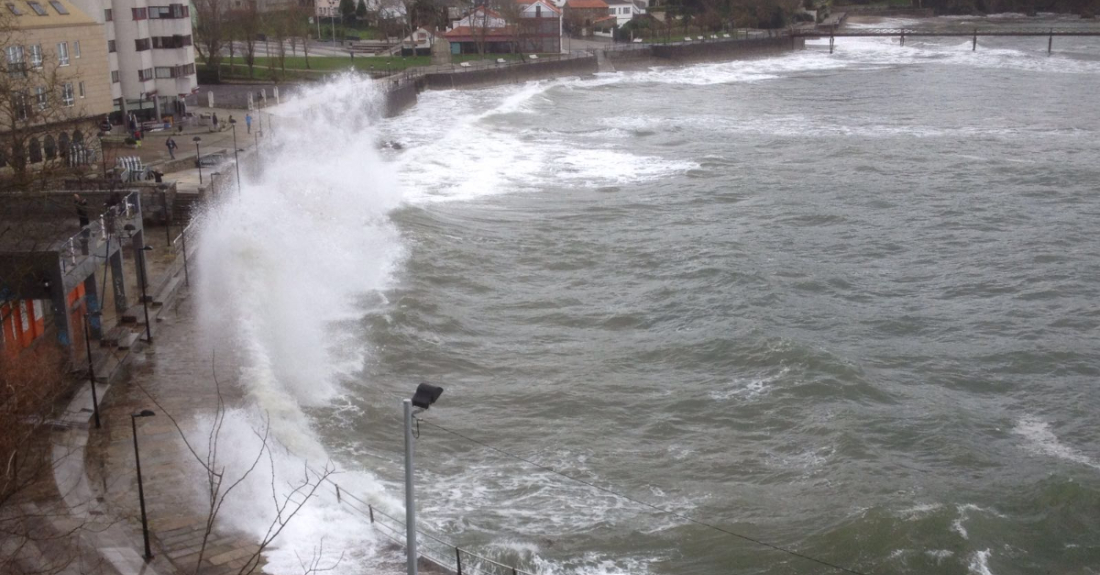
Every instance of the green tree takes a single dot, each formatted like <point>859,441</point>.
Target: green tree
<point>347,10</point>
<point>361,10</point>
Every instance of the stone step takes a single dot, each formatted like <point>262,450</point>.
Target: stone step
<point>110,339</point>
<point>127,341</point>
<point>166,292</point>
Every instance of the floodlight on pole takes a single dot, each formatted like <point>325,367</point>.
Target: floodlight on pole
<point>426,394</point>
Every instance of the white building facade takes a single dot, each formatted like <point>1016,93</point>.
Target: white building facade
<point>151,53</point>
<point>625,10</point>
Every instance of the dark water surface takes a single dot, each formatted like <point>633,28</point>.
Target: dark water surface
<point>845,304</point>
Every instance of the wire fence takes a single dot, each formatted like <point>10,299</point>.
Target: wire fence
<point>443,553</point>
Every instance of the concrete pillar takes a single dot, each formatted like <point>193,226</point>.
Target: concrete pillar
<point>209,99</point>
<point>118,281</point>
<point>60,304</point>
<point>156,107</point>
<point>91,303</point>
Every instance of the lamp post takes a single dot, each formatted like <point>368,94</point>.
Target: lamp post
<point>91,369</point>
<point>426,394</point>
<point>236,160</point>
<point>198,156</point>
<point>141,488</point>
<point>144,295</point>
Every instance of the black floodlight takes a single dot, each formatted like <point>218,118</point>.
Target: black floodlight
<point>144,413</point>
<point>426,394</point>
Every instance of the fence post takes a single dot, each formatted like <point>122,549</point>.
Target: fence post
<point>458,560</point>
<point>513,570</point>
<point>338,500</point>
<point>371,511</point>
<point>186,273</point>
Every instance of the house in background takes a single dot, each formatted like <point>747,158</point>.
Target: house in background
<point>580,15</point>
<point>482,31</point>
<point>540,27</point>
<point>625,10</point>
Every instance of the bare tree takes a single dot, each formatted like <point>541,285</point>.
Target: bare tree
<point>220,484</point>
<point>210,32</point>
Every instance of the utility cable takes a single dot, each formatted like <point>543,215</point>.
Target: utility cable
<point>649,505</point>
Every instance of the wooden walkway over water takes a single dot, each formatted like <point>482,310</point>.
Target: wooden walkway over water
<point>903,33</point>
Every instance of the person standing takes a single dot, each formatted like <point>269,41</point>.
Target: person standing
<point>171,144</point>
<point>248,122</point>
<point>215,120</point>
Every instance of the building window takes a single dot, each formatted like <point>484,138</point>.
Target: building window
<point>59,7</point>
<point>176,41</point>
<point>140,13</point>
<point>144,75</point>
<point>41,98</point>
<point>36,56</point>
<point>158,12</point>
<point>67,94</point>
<point>14,9</point>
<point>76,48</point>
<point>38,8</point>
<point>114,77</point>
<point>141,44</point>
<point>19,102</point>
<point>163,72</point>
<point>81,89</point>
<point>111,48</point>
<point>108,15</point>
<point>16,65</point>
<point>62,53</point>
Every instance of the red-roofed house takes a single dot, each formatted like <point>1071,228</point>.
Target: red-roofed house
<point>581,14</point>
<point>482,31</point>
<point>540,26</point>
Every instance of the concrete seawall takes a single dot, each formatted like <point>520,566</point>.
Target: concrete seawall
<point>510,74</point>
<point>401,94</point>
<point>724,49</point>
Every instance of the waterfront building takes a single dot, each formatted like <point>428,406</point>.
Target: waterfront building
<point>580,15</point>
<point>151,55</point>
<point>57,84</point>
<point>625,10</point>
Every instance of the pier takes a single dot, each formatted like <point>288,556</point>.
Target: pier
<point>903,33</point>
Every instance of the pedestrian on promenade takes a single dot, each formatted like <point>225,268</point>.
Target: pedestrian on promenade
<point>248,122</point>
<point>171,143</point>
<point>215,120</point>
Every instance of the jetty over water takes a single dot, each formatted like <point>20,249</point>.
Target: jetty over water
<point>903,33</point>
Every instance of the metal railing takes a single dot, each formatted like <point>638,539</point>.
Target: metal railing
<point>179,246</point>
<point>443,553</point>
<point>94,235</point>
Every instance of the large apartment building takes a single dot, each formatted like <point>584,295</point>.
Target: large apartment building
<point>150,53</point>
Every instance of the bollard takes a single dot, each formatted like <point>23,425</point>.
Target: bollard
<point>975,48</point>
<point>458,560</point>
<point>338,500</point>
<point>1050,42</point>
<point>831,40</point>
<point>903,38</point>
<point>371,511</point>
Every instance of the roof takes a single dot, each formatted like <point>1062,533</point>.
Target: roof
<point>545,4</point>
<point>468,34</point>
<point>58,13</point>
<point>586,4</point>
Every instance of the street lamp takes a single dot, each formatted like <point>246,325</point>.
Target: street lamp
<point>236,160</point>
<point>91,367</point>
<point>141,488</point>
<point>141,276</point>
<point>426,394</point>
<point>198,156</point>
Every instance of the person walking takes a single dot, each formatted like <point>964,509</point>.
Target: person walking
<point>215,121</point>
<point>248,122</point>
<point>171,143</point>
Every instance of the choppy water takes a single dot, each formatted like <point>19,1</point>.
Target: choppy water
<point>844,304</point>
